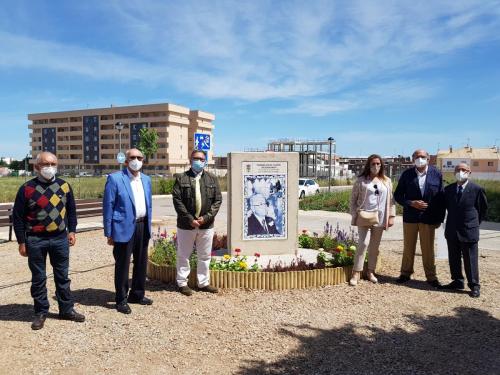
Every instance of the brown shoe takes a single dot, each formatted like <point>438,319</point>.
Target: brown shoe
<point>187,291</point>
<point>38,322</point>
<point>209,289</point>
<point>73,316</point>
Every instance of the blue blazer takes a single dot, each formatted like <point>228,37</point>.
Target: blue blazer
<point>119,206</point>
<point>409,190</point>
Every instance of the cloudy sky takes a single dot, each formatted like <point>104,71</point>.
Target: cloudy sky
<point>378,76</point>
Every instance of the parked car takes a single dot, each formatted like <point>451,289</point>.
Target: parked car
<point>307,187</point>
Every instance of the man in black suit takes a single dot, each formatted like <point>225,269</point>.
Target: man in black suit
<point>466,204</point>
<point>258,221</point>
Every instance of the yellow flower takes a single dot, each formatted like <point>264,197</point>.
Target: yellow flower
<point>227,257</point>
<point>243,265</point>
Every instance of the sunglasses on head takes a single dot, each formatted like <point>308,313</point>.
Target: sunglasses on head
<point>140,158</point>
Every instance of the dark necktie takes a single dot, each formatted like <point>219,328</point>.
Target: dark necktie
<point>459,194</point>
<point>264,224</point>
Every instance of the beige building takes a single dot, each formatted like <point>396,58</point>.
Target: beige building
<point>484,162</point>
<point>87,140</point>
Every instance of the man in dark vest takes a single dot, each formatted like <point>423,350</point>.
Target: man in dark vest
<point>466,204</point>
<point>197,199</point>
<point>44,217</point>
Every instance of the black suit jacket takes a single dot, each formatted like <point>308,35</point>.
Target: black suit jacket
<point>465,215</point>
<point>408,190</point>
<point>255,227</point>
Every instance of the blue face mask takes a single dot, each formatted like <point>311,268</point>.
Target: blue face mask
<point>197,165</point>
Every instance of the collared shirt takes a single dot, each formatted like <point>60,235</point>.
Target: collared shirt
<point>463,186</point>
<point>262,222</point>
<point>139,196</point>
<point>422,176</point>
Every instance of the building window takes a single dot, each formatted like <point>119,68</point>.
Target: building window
<point>490,164</point>
<point>448,163</point>
<point>475,164</point>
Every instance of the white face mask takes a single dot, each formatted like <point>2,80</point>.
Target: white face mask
<point>48,172</point>
<point>420,162</point>
<point>462,176</point>
<point>375,169</point>
<point>135,165</point>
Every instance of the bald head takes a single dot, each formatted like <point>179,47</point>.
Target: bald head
<point>464,167</point>
<point>45,159</point>
<point>420,153</point>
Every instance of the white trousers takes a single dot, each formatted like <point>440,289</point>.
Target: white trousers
<point>372,245</point>
<point>186,240</point>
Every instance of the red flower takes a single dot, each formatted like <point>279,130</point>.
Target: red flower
<point>214,253</point>
<point>304,231</point>
<point>257,255</point>
<point>237,250</point>
<point>349,254</point>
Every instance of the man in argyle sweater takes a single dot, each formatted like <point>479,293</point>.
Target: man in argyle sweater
<point>44,217</point>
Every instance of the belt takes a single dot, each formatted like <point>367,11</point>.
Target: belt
<point>140,220</point>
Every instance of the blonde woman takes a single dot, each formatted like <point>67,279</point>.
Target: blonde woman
<point>372,210</point>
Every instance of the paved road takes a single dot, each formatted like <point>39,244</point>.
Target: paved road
<point>314,221</point>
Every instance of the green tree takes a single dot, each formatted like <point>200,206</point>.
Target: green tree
<point>148,142</point>
<point>2,163</point>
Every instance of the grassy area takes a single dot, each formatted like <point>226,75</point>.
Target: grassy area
<point>339,201</point>
<point>86,187</point>
<point>335,182</point>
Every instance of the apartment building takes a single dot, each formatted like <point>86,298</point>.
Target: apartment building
<point>88,140</point>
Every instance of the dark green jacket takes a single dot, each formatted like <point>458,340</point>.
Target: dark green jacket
<point>183,195</point>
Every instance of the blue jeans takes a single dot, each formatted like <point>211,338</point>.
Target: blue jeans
<point>58,249</point>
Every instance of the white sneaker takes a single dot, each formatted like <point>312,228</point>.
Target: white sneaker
<point>372,278</point>
<point>354,279</point>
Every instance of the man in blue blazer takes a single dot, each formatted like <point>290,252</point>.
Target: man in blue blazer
<point>467,205</point>
<point>127,225</point>
<point>420,192</point>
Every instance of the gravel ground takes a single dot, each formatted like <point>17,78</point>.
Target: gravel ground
<point>371,329</point>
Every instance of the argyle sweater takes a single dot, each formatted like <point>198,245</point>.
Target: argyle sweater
<point>44,208</point>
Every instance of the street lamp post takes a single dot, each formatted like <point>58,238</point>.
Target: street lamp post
<point>330,139</point>
<point>119,127</point>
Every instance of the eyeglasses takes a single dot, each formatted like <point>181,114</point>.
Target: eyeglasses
<point>140,158</point>
<point>48,164</point>
<point>376,189</point>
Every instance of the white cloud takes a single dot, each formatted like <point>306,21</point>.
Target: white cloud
<point>271,50</point>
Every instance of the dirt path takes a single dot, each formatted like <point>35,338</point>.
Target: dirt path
<point>375,329</point>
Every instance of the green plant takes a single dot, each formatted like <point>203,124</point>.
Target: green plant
<point>166,186</point>
<point>237,263</point>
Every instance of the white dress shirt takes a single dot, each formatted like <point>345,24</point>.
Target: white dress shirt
<point>139,196</point>
<point>463,186</point>
<point>422,176</point>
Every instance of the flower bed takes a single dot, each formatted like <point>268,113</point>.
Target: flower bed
<point>238,271</point>
<point>259,280</point>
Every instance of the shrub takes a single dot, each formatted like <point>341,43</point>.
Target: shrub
<point>166,186</point>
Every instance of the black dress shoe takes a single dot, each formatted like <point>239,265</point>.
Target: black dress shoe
<point>123,308</point>
<point>434,283</point>
<point>403,279</point>
<point>38,322</point>
<point>208,289</point>
<point>73,316</point>
<point>142,301</point>
<point>187,291</point>
<point>454,285</point>
<point>475,293</point>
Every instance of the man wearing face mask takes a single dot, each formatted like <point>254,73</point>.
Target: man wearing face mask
<point>420,192</point>
<point>44,217</point>
<point>467,206</point>
<point>197,199</point>
<point>127,213</point>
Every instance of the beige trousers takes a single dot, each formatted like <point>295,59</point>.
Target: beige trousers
<point>372,245</point>
<point>412,231</point>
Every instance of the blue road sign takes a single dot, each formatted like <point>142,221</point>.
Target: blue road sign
<point>202,141</point>
<point>120,157</point>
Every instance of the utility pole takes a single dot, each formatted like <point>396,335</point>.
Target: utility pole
<point>330,139</point>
